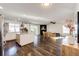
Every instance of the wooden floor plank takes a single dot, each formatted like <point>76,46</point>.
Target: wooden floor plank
<point>42,49</point>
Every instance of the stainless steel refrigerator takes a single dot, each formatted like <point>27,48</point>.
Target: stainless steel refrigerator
<point>1,45</point>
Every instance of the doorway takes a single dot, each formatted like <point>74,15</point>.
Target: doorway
<point>35,30</point>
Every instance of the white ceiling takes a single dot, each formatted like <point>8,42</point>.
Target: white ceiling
<point>38,14</point>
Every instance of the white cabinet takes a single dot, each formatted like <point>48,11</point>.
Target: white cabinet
<point>23,39</point>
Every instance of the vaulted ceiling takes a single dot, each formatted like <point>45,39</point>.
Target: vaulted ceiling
<point>37,13</point>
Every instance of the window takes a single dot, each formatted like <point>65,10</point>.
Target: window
<point>14,27</point>
<point>34,29</point>
<point>11,27</point>
<point>66,30</point>
<point>17,28</point>
<point>75,32</point>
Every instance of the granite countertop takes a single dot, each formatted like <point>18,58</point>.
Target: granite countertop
<point>75,45</point>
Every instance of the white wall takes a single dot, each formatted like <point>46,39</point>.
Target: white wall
<point>12,35</point>
<point>57,28</point>
<point>75,12</point>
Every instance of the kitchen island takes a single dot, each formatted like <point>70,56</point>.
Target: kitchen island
<point>24,38</point>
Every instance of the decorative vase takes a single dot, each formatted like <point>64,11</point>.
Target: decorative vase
<point>71,39</point>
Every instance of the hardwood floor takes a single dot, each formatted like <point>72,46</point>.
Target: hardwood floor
<point>41,49</point>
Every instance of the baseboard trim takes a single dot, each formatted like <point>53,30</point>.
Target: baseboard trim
<point>10,40</point>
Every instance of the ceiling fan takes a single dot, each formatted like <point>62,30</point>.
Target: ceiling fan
<point>52,22</point>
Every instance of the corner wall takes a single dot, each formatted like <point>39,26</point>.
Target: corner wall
<point>57,28</point>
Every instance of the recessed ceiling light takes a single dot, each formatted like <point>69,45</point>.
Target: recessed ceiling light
<point>1,7</point>
<point>46,4</point>
<point>24,15</point>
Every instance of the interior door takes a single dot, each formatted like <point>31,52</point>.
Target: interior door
<point>43,28</point>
